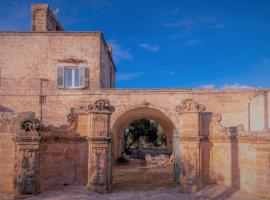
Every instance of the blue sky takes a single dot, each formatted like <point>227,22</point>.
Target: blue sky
<point>164,44</point>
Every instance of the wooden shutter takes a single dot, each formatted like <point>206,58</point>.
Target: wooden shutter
<point>86,77</point>
<point>82,77</point>
<point>60,77</point>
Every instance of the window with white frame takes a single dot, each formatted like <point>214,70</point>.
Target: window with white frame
<point>71,77</point>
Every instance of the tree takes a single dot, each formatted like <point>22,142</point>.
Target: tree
<point>138,130</point>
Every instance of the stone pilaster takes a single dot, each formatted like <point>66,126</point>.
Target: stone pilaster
<point>26,165</point>
<point>99,164</point>
<point>99,140</point>
<point>189,117</point>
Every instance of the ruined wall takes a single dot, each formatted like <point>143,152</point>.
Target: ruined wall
<point>62,162</point>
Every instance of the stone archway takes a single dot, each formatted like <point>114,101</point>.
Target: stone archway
<point>169,174</point>
<point>138,113</point>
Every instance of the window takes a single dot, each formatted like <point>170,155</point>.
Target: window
<point>71,77</point>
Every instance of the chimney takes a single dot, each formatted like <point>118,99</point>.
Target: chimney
<point>43,19</point>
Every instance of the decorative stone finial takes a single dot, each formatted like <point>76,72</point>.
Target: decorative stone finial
<point>190,105</point>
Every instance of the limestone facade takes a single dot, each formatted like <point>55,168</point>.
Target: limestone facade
<point>52,136</point>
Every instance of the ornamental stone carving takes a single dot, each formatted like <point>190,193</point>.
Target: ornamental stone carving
<point>216,117</point>
<point>71,124</point>
<point>102,105</point>
<point>30,124</point>
<point>190,105</point>
<point>99,106</point>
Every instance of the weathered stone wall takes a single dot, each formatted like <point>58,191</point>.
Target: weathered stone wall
<point>9,126</point>
<point>62,163</point>
<point>37,57</point>
<point>43,19</point>
<point>7,151</point>
<point>257,113</point>
<point>107,68</point>
<point>242,163</point>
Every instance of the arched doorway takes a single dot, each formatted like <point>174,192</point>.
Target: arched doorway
<point>148,113</point>
<point>141,113</point>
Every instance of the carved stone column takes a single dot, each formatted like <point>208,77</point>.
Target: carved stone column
<point>189,117</point>
<point>99,160</point>
<point>26,164</point>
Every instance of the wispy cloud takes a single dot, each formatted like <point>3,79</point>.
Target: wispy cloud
<point>189,24</point>
<point>191,42</point>
<point>127,76</point>
<point>226,86</point>
<point>235,85</point>
<point>149,47</point>
<point>119,53</point>
<point>171,73</point>
<point>174,37</point>
<point>263,63</point>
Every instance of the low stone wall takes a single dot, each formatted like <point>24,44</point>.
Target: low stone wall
<point>241,162</point>
<point>33,161</point>
<point>62,161</point>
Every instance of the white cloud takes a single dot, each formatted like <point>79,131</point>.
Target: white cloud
<point>127,76</point>
<point>149,47</point>
<point>226,86</point>
<point>119,53</point>
<point>189,24</point>
<point>171,73</point>
<point>191,42</point>
<point>235,86</point>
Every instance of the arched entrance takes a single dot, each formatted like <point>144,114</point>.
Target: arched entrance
<point>139,113</point>
<point>148,113</point>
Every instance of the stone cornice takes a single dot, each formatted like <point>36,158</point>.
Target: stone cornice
<point>55,139</point>
<point>22,139</point>
<point>49,33</point>
<point>99,139</point>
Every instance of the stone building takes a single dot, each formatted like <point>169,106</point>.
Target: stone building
<point>61,118</point>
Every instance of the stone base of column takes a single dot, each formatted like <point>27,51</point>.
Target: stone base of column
<point>185,188</point>
<point>99,188</point>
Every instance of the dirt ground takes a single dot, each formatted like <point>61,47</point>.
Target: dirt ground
<point>135,182</point>
<point>135,176</point>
